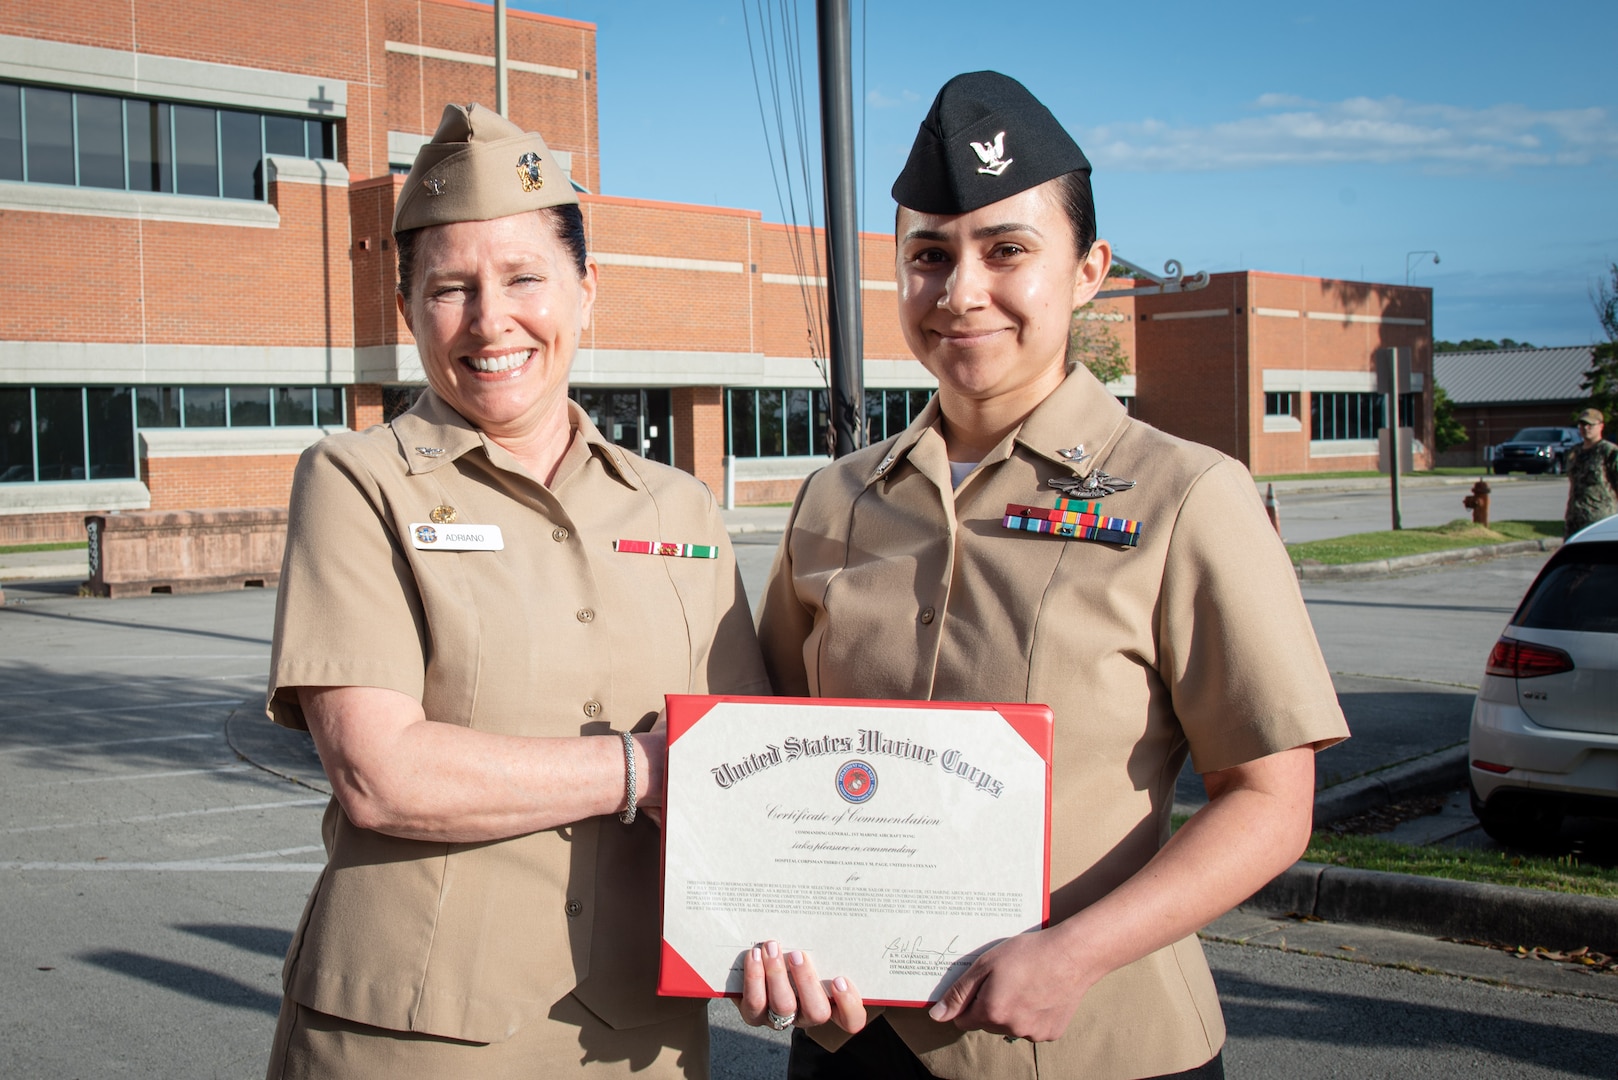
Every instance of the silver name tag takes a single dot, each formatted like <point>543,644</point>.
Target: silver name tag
<point>425,536</point>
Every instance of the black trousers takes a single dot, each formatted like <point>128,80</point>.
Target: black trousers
<point>877,1053</point>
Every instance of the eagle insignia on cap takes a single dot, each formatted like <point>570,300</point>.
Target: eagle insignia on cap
<point>434,185</point>
<point>528,172</point>
<point>992,154</point>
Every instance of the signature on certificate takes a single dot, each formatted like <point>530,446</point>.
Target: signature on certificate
<point>915,949</point>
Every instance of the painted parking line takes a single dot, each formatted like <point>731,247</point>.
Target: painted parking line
<point>145,818</point>
<point>246,856</point>
<point>115,710</point>
<point>109,742</point>
<point>138,776</point>
<point>252,677</point>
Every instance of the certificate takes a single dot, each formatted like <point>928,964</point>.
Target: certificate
<point>894,840</point>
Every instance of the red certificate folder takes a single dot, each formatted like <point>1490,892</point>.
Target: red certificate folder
<point>849,762</point>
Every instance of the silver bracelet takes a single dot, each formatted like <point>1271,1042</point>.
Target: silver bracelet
<point>628,816</point>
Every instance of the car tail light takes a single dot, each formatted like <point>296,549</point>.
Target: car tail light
<point>1525,660</point>
<point>1489,766</point>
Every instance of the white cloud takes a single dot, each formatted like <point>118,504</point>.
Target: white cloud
<point>876,99</point>
<point>1283,129</point>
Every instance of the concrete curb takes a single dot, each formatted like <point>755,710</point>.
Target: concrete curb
<point>1380,567</point>
<point>1438,907</point>
<point>1436,773</point>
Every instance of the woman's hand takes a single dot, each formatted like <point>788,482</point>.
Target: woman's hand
<point>1023,987</point>
<point>781,990</point>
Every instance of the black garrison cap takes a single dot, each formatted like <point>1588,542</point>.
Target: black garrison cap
<point>986,138</point>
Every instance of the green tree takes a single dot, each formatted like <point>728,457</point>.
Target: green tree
<point>1448,432</point>
<point>1092,342</point>
<point>1601,381</point>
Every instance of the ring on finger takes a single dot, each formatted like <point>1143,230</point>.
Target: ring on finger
<point>777,1021</point>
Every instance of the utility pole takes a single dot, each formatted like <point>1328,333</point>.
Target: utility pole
<point>502,103</point>
<point>844,336</point>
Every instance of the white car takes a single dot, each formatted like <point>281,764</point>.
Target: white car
<point>1544,736</point>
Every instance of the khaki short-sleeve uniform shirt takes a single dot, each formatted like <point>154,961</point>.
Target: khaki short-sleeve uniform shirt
<point>554,635</point>
<point>889,584</point>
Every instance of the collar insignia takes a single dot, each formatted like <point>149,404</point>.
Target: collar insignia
<point>1074,455</point>
<point>430,451</point>
<point>992,154</point>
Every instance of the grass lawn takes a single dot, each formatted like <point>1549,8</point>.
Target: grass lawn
<point>1460,533</point>
<point>1555,874</point>
<point>21,549</point>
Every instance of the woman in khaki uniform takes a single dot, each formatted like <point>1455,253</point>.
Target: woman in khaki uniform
<point>1026,540</point>
<point>481,608</point>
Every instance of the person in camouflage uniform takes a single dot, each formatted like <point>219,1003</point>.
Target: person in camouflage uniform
<point>1592,474</point>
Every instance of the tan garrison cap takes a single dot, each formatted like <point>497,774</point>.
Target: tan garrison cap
<point>479,166</point>
<point>1591,416</point>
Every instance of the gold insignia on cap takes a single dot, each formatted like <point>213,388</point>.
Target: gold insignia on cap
<point>434,185</point>
<point>528,171</point>
<point>443,515</point>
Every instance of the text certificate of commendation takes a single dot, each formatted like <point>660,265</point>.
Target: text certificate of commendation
<point>893,840</point>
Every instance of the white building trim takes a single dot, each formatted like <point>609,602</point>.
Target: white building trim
<point>136,74</point>
<point>146,206</point>
<point>292,170</point>
<point>1282,423</point>
<point>132,364</point>
<point>1374,320</point>
<point>1210,313</point>
<point>662,262</point>
<point>1275,313</point>
<point>870,284</point>
<point>428,52</point>
<point>1277,380</point>
<point>1329,448</point>
<point>229,442</point>
<point>73,496</point>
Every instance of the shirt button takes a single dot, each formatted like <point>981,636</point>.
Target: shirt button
<point>585,614</point>
<point>592,707</point>
<point>927,617</point>
<point>559,533</point>
<point>574,909</point>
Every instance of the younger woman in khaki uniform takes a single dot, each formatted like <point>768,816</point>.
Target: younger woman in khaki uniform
<point>1166,622</point>
<point>481,657</point>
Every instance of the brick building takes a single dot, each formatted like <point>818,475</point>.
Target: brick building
<point>194,217</point>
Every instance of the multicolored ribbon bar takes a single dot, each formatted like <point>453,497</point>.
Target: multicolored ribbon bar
<point>1075,531</point>
<point>1082,506</point>
<point>1073,517</point>
<point>664,547</point>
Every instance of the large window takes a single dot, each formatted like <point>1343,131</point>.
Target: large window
<point>640,421</point>
<point>888,412</point>
<point>1354,416</point>
<point>765,422</point>
<point>50,136</point>
<point>52,433</point>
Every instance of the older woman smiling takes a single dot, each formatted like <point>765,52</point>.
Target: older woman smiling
<point>481,661</point>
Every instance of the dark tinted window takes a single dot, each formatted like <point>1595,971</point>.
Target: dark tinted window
<point>50,135</point>
<point>16,437</point>
<point>101,141</point>
<point>60,413</point>
<point>204,406</point>
<point>10,133</point>
<point>294,406</point>
<point>329,405</point>
<point>112,436</point>
<point>241,154</point>
<point>283,135</point>
<point>743,424</point>
<point>151,167</point>
<point>770,419</point>
<point>158,406</point>
<point>196,150</point>
<point>1537,434</point>
<point>1577,590</point>
<point>250,406</point>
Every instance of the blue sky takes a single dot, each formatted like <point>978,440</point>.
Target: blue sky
<point>1298,138</point>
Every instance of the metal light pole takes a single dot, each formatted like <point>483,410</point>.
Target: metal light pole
<point>501,100</point>
<point>1411,255</point>
<point>846,345</point>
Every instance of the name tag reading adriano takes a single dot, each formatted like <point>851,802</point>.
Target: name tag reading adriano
<point>426,536</point>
